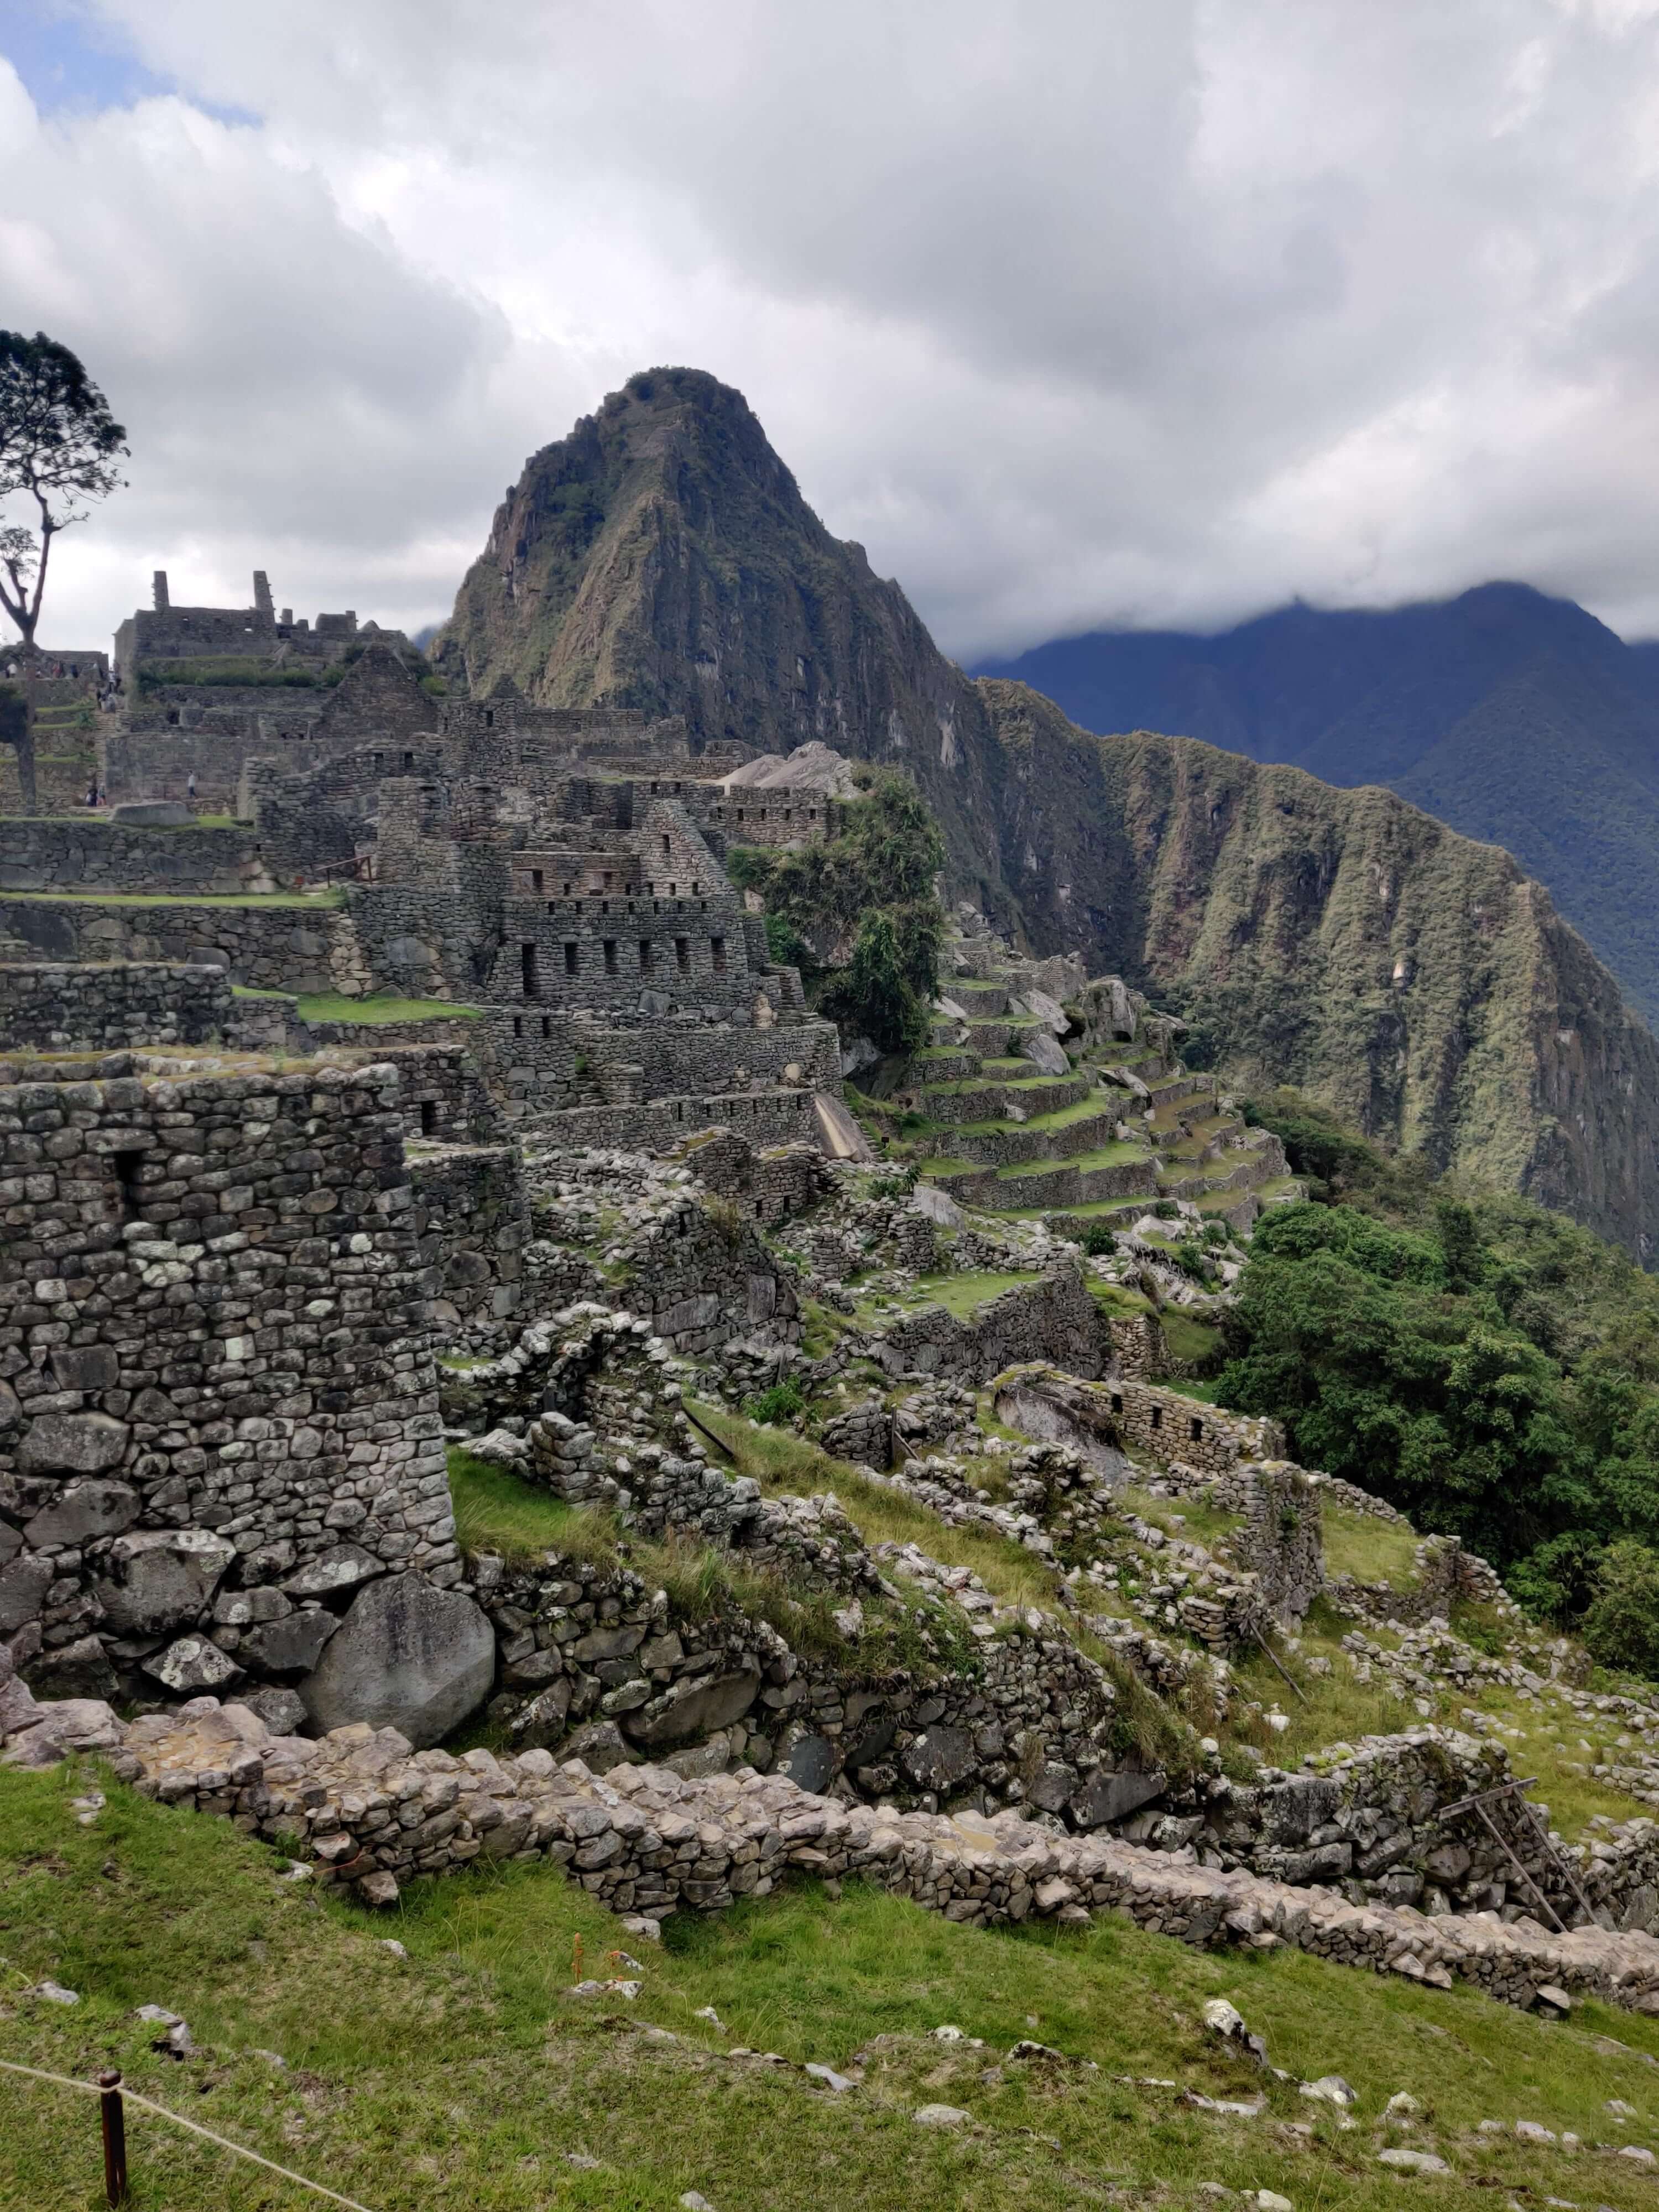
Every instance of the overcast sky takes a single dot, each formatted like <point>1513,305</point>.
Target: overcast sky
<point>1074,312</point>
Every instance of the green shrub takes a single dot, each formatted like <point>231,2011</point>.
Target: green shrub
<point>1621,1628</point>
<point>772,1408</point>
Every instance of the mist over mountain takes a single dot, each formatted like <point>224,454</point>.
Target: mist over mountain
<point>1518,718</point>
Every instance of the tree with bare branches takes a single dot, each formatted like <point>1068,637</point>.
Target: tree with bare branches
<point>61,448</point>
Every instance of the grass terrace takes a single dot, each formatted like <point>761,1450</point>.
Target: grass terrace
<point>312,901</point>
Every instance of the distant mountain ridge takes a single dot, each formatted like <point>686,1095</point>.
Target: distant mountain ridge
<point>661,557</point>
<point>1518,718</point>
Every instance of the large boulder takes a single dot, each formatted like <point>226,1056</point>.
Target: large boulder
<point>160,1579</point>
<point>406,1656</point>
<point>1044,1052</point>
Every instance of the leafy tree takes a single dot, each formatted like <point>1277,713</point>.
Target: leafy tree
<point>1621,1628</point>
<point>60,449</point>
<point>875,996</point>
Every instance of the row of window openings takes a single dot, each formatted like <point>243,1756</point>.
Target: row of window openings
<point>379,760</point>
<point>1155,1418</point>
<point>611,949</point>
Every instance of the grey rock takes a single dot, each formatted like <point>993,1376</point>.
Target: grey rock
<point>290,1647</point>
<point>939,1758</point>
<point>192,1665</point>
<point>1105,1797</point>
<point>406,1656</point>
<point>1040,1047</point>
<point>86,1366</point>
<point>83,1511</point>
<point>72,1444</point>
<point>161,1579</point>
<point>11,1541</point>
<point>599,1747</point>
<point>692,1709</point>
<point>1413,2161</point>
<point>543,1720</point>
<point>81,1669</point>
<point>810,1763</point>
<point>331,1573</point>
<point>23,1587</point>
<point>941,2116</point>
<point>282,1711</point>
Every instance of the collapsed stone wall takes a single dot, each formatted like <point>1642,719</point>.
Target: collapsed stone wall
<point>1202,1442</point>
<point>769,1184</point>
<point>107,1008</point>
<point>111,856</point>
<point>218,1412</point>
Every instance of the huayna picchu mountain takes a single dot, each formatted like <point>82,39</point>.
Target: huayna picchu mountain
<point>662,556</point>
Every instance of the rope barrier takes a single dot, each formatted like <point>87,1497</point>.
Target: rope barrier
<point>92,2089</point>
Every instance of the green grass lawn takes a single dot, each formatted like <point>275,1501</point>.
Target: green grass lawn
<point>331,1007</point>
<point>312,902</point>
<point>1188,1338</point>
<point>1371,1550</point>
<point>463,2078</point>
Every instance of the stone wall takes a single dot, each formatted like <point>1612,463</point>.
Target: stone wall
<point>1282,1542</point>
<point>471,1224</point>
<point>217,1404</point>
<point>269,948</point>
<point>107,1008</point>
<point>647,1841</point>
<point>768,1183</point>
<point>1053,1319</point>
<point>90,856</point>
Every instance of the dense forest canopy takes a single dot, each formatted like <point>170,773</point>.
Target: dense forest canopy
<point>1486,1366</point>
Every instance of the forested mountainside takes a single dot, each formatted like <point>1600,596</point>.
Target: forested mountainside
<point>1517,717</point>
<point>662,556</point>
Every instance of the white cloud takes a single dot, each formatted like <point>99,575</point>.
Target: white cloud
<point>1079,312</point>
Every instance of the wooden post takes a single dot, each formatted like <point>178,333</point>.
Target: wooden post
<point>115,2138</point>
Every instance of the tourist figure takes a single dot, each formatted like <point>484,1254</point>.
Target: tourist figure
<point>189,787</point>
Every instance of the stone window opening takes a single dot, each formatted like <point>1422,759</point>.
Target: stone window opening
<point>517,1024</point>
<point>172,713</point>
<point>760,1209</point>
<point>428,1117</point>
<point>127,1166</point>
<point>547,1026</point>
<point>569,956</point>
<point>695,888</point>
<point>645,956</point>
<point>409,760</point>
<point>604,904</point>
<point>717,954</point>
<point>1117,1401</point>
<point>667,845</point>
<point>1195,1430</point>
<point>489,718</point>
<point>536,879</point>
<point>1157,1417</point>
<point>683,955</point>
<point>527,965</point>
<point>610,955</point>
<point>380,762</point>
<point>567,890</point>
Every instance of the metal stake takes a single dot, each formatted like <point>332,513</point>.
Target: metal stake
<point>115,2138</point>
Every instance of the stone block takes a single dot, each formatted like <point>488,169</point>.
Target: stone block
<point>406,1656</point>
<point>84,1511</point>
<point>160,1579</point>
<point>72,1444</point>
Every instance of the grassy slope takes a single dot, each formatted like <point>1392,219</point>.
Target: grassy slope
<point>463,2077</point>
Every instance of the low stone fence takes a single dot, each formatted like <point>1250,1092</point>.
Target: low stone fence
<point>645,1841</point>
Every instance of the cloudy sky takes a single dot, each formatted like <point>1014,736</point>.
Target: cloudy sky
<point>1074,312</point>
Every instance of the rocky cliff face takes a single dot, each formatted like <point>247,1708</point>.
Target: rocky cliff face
<point>1342,941</point>
<point>662,556</point>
